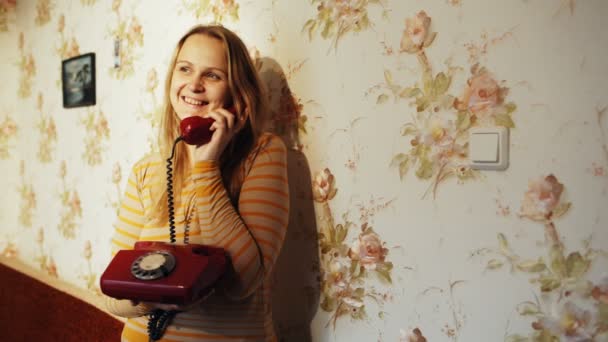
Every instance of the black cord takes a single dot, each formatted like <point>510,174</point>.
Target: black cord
<point>158,322</point>
<point>159,319</point>
<point>170,207</point>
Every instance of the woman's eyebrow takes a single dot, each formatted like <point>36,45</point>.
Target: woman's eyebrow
<point>206,68</point>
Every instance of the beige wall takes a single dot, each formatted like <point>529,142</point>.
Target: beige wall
<point>462,255</point>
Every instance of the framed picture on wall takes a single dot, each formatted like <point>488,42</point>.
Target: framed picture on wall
<point>78,81</point>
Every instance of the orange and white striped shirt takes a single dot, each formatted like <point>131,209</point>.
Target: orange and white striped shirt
<point>242,313</point>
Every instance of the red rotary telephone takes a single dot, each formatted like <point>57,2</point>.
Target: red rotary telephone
<point>161,272</point>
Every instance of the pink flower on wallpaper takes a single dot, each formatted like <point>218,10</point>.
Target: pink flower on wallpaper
<point>481,95</point>
<point>8,127</point>
<point>368,250</point>
<point>337,278</point>
<point>74,204</point>
<point>600,291</point>
<point>542,197</point>
<point>416,34</point>
<point>10,251</point>
<point>135,34</point>
<point>323,186</point>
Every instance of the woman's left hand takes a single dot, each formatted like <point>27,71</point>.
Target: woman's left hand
<point>224,128</point>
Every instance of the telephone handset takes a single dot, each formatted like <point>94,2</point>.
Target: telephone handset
<point>196,130</point>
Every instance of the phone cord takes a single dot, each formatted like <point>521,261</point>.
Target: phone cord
<point>159,319</point>
<point>158,322</point>
<point>170,207</point>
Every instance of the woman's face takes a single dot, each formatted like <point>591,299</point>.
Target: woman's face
<point>200,76</point>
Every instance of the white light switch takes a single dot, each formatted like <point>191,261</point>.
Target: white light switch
<point>489,148</point>
<point>484,147</point>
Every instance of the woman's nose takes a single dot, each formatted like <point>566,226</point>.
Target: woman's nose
<point>196,84</point>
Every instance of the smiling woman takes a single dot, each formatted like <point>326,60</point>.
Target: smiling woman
<point>230,192</point>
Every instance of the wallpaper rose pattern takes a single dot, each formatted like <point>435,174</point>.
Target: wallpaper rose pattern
<point>389,268</point>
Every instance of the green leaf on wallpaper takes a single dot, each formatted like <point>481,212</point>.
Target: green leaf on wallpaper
<point>332,235</point>
<point>549,283</point>
<point>410,92</point>
<point>329,25</point>
<point>362,24</point>
<point>510,108</point>
<point>425,169</point>
<point>427,83</point>
<point>382,98</point>
<point>561,209</point>
<point>408,129</point>
<point>340,233</point>
<point>602,314</point>
<point>422,103</point>
<point>504,120</point>
<point>446,101</point>
<point>441,84</point>
<point>532,266</point>
<point>463,121</point>
<point>494,264</point>
<point>528,308</point>
<point>310,26</point>
<point>577,265</point>
<point>328,304</point>
<point>397,159</point>
<point>384,275</point>
<point>359,293</point>
<point>384,271</point>
<point>355,269</point>
<point>302,124</point>
<point>404,167</point>
<point>504,245</point>
<point>388,77</point>
<point>558,262</point>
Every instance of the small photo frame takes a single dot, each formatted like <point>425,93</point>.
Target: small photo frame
<point>78,81</point>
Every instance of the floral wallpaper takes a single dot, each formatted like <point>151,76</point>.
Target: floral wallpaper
<point>375,100</point>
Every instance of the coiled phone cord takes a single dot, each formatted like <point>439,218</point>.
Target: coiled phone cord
<point>170,207</point>
<point>158,320</point>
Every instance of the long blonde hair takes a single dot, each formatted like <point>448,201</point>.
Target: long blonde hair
<point>248,98</point>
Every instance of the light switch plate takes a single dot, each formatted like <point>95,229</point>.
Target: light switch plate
<point>489,148</point>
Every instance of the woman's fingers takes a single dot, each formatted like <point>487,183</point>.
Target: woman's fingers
<point>224,120</point>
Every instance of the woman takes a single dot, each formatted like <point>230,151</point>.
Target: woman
<point>231,192</point>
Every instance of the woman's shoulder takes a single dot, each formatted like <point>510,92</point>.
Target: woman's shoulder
<point>269,140</point>
<point>269,147</point>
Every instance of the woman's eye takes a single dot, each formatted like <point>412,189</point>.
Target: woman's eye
<point>213,76</point>
<point>183,69</point>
